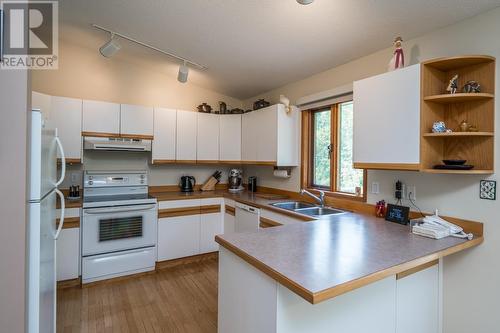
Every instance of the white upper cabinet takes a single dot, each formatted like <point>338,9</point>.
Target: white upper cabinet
<point>271,136</point>
<point>387,120</point>
<point>41,102</point>
<point>136,120</point>
<point>186,135</point>
<point>165,123</point>
<point>207,137</point>
<point>230,137</point>
<point>266,131</point>
<point>66,116</point>
<point>249,136</point>
<point>101,118</point>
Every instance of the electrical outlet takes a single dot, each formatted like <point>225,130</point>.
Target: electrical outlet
<point>375,188</point>
<point>412,192</point>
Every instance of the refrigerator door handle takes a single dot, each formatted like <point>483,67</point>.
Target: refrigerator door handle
<point>61,219</point>
<point>63,161</point>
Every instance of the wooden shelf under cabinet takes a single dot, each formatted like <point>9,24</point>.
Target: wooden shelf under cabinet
<point>463,172</point>
<point>458,98</point>
<point>477,109</point>
<point>454,134</point>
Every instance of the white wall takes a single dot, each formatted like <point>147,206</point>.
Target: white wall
<point>14,105</point>
<point>471,278</point>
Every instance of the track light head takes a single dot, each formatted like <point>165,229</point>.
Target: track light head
<point>110,48</point>
<point>305,2</point>
<point>182,76</point>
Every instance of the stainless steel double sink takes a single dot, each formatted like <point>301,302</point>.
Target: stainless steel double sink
<point>306,208</point>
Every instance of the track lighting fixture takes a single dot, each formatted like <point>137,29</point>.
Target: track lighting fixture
<point>182,76</point>
<point>110,48</point>
<point>305,2</point>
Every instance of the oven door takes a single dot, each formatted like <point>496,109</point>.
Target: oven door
<point>112,229</point>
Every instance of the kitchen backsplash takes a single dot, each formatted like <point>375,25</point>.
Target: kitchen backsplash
<point>158,174</point>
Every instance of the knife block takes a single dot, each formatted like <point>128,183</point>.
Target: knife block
<point>209,185</point>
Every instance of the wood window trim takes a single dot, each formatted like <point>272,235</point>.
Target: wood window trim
<point>306,159</point>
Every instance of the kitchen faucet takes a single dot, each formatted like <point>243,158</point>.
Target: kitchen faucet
<point>320,199</point>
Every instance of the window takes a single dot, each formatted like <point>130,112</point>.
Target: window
<point>328,151</point>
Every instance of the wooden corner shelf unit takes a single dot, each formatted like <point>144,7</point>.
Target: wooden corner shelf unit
<point>477,109</point>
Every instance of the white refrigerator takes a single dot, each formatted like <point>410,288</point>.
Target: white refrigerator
<point>42,228</point>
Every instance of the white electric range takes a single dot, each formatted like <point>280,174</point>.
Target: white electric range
<point>119,229</point>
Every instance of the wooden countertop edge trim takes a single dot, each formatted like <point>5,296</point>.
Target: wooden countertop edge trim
<point>338,290</point>
<point>416,269</point>
<point>210,209</point>
<point>296,288</point>
<point>175,212</point>
<point>186,211</point>
<point>363,281</point>
<point>270,222</point>
<point>230,210</point>
<point>70,222</point>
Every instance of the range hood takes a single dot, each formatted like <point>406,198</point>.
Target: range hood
<point>116,144</point>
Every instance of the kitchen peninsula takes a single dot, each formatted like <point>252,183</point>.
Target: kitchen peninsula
<point>349,272</point>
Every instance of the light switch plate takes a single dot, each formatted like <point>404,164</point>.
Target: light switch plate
<point>375,188</point>
<point>488,189</point>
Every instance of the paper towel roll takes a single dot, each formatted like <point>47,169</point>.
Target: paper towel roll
<point>281,174</point>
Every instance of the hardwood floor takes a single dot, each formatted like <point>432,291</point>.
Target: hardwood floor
<point>177,299</point>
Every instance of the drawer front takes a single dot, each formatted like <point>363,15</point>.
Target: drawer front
<point>178,203</point>
<point>117,264</point>
<point>69,212</point>
<point>211,201</point>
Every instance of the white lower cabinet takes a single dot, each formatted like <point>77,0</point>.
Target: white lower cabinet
<point>178,237</point>
<point>188,235</point>
<point>417,300</point>
<point>210,226</point>
<point>68,254</point>
<point>228,223</point>
<point>68,249</point>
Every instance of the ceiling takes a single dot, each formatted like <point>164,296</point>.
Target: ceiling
<point>253,46</point>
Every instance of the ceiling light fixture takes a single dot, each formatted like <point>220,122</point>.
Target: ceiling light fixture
<point>112,46</point>
<point>182,76</point>
<point>305,2</point>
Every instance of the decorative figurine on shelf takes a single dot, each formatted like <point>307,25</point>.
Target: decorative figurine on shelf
<point>398,58</point>
<point>464,126</point>
<point>453,85</point>
<point>380,208</point>
<point>471,87</point>
<point>439,127</point>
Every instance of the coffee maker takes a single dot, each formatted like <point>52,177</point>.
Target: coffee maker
<point>235,181</point>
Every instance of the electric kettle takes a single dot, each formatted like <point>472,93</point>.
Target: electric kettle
<point>187,183</point>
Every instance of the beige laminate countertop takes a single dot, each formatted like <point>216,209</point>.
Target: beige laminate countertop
<point>332,256</point>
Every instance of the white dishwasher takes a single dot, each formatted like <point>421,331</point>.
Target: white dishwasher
<point>247,218</point>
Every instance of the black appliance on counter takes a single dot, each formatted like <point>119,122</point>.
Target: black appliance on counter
<point>252,184</point>
<point>187,183</point>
